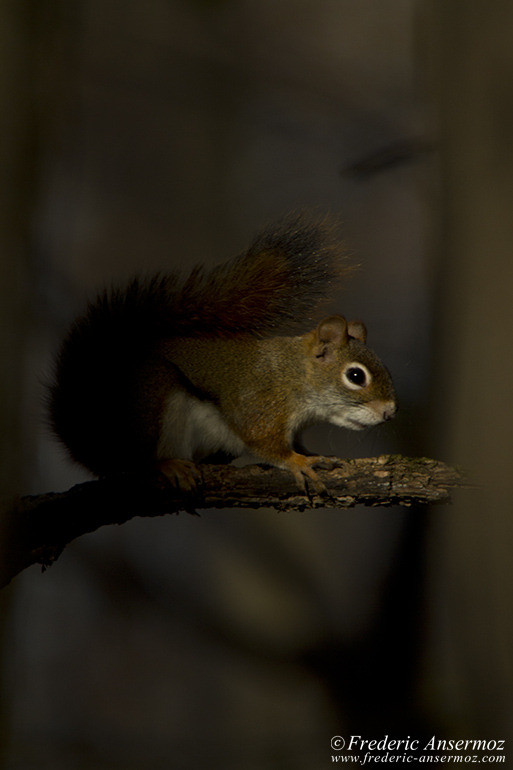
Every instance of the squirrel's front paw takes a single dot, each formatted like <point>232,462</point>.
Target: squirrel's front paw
<point>182,474</point>
<point>301,467</point>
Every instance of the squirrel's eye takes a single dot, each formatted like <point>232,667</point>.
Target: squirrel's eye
<point>356,376</point>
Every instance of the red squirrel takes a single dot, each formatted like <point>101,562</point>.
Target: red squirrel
<point>169,372</point>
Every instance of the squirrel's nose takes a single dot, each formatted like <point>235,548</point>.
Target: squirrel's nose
<point>389,410</point>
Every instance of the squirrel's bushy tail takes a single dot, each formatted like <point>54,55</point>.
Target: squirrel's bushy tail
<point>275,287</point>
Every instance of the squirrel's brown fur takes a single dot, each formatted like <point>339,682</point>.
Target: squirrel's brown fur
<point>119,375</point>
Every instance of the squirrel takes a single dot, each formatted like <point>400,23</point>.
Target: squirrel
<point>169,372</point>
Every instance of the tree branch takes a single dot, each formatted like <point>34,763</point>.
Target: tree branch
<point>37,528</point>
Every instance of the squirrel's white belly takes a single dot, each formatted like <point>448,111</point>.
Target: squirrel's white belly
<point>192,429</point>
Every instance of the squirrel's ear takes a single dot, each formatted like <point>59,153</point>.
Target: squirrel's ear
<point>330,335</point>
<point>357,330</point>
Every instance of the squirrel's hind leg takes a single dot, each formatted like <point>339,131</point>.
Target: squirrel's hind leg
<point>182,474</point>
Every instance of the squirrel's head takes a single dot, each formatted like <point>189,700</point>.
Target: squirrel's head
<point>360,388</point>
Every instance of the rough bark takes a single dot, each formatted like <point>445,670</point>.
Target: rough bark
<point>39,527</point>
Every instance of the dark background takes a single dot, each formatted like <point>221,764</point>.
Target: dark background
<point>144,135</point>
